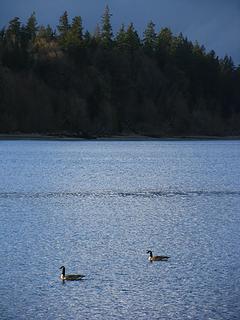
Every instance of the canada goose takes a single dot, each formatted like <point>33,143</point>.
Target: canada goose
<point>156,258</point>
<point>70,277</point>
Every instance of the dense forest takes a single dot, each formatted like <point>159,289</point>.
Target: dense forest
<point>72,82</point>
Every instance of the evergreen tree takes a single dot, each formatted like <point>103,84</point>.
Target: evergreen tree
<point>63,29</point>
<point>198,50</point>
<point>87,39</point>
<point>182,51</point>
<point>77,29</point>
<point>73,38</point>
<point>64,25</point>
<point>150,37</point>
<point>132,39</point>
<point>165,39</point>
<point>31,27</point>
<point>106,32</point>
<point>163,46</point>
<point>120,38</point>
<point>97,34</point>
<point>13,32</point>
<point>15,54</point>
<point>227,65</point>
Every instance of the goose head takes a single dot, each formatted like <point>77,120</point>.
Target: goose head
<point>63,270</point>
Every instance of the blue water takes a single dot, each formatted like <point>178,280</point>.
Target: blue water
<point>97,206</point>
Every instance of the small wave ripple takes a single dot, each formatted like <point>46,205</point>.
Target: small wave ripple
<point>120,193</point>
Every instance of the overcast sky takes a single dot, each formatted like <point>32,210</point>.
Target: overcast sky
<point>214,23</point>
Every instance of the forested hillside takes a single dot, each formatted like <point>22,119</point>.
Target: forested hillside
<point>69,81</point>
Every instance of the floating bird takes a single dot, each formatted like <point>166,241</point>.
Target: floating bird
<point>156,258</point>
<point>70,277</point>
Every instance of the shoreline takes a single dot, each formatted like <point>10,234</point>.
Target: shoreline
<point>59,137</point>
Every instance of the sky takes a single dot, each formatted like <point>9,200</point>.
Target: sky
<point>213,23</point>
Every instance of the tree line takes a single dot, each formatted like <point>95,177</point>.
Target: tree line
<point>73,82</point>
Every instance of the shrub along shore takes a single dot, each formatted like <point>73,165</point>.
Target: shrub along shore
<point>66,137</point>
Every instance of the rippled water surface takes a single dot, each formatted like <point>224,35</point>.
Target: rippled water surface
<point>96,207</point>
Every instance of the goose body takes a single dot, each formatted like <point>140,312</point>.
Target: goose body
<point>156,258</point>
<point>70,277</point>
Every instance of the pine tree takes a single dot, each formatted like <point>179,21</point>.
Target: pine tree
<point>97,34</point>
<point>74,36</point>
<point>164,39</point>
<point>31,27</point>
<point>13,33</point>
<point>132,38</point>
<point>87,39</point>
<point>77,28</point>
<point>106,34</point>
<point>16,54</point>
<point>227,65</point>
<point>64,25</point>
<point>163,46</point>
<point>150,37</point>
<point>198,50</point>
<point>121,38</point>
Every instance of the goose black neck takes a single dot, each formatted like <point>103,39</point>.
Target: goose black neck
<point>150,252</point>
<point>63,271</point>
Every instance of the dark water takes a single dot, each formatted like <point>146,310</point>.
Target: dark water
<point>96,207</point>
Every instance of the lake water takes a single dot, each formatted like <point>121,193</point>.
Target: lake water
<point>97,206</point>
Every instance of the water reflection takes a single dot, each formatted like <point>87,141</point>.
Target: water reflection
<point>97,207</point>
<point>112,193</point>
